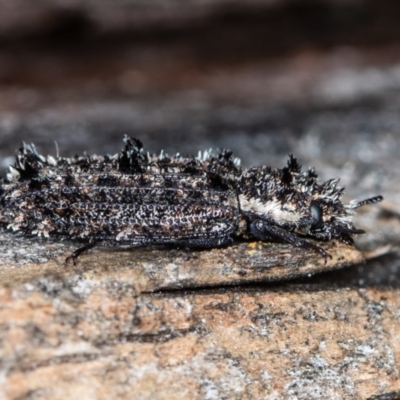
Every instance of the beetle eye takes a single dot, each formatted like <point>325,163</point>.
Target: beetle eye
<point>316,212</point>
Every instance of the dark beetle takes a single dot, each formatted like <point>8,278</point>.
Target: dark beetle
<point>135,198</point>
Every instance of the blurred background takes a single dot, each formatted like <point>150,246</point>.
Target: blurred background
<point>265,78</point>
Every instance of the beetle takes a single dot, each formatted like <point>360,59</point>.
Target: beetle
<point>136,198</point>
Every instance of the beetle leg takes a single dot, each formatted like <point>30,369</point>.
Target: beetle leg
<point>263,231</point>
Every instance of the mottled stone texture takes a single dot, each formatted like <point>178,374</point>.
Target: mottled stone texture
<point>93,339</point>
<point>150,269</point>
<point>266,79</point>
<point>147,323</point>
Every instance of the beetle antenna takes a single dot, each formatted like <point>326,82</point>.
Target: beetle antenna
<point>372,200</point>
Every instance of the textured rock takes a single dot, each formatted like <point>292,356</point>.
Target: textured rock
<point>103,341</point>
<point>125,323</point>
<point>148,269</point>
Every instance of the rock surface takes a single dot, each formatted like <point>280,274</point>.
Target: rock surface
<point>97,338</point>
<point>150,269</point>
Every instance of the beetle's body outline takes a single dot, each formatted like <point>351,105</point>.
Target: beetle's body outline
<point>136,198</point>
